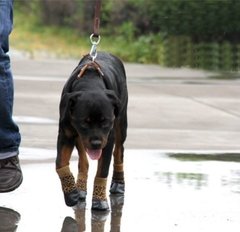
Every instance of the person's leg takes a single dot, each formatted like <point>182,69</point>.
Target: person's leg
<point>10,172</point>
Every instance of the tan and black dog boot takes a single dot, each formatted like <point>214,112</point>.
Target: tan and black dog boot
<point>99,200</point>
<point>71,194</point>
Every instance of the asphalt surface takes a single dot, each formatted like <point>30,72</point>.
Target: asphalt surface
<point>163,193</point>
<point>168,108</point>
<point>174,114</point>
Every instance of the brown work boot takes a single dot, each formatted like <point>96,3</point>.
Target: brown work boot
<point>10,174</point>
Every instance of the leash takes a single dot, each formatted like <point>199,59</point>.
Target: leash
<point>95,36</point>
<point>95,39</point>
<point>96,22</point>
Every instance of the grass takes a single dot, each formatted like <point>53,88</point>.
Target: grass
<point>37,40</point>
<point>172,51</point>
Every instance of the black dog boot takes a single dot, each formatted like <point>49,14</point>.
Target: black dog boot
<point>71,194</point>
<point>99,201</point>
<point>118,185</point>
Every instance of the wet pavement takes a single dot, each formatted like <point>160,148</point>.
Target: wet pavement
<point>181,162</point>
<point>168,108</point>
<point>164,192</point>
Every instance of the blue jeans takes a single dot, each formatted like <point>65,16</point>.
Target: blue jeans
<point>9,133</point>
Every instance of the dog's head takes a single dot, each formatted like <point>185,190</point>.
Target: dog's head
<point>92,115</point>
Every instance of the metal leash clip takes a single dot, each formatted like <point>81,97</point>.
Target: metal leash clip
<point>95,41</point>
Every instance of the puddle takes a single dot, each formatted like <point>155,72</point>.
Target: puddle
<point>227,157</point>
<point>164,192</point>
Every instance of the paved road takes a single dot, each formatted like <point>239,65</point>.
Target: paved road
<point>162,194</point>
<point>168,108</point>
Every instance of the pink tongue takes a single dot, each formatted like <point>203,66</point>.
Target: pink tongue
<point>94,154</point>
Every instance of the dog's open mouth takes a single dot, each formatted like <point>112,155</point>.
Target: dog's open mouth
<point>94,154</point>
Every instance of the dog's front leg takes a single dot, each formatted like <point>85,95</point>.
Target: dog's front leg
<point>99,200</point>
<point>65,147</point>
<point>118,184</point>
<point>82,170</point>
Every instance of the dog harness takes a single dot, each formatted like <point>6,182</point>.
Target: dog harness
<point>91,64</point>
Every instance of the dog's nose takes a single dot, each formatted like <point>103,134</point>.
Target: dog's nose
<point>96,144</point>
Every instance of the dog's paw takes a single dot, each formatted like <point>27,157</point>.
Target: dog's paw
<point>117,188</point>
<point>100,205</point>
<point>72,197</point>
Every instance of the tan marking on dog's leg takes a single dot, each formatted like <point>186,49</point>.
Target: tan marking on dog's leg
<point>118,172</point>
<point>65,155</point>
<point>83,161</point>
<point>99,167</point>
<point>118,167</point>
<point>82,167</point>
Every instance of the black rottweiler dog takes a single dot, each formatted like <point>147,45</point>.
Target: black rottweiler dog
<point>93,118</point>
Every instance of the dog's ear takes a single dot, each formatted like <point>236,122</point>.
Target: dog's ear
<point>67,103</point>
<point>115,101</point>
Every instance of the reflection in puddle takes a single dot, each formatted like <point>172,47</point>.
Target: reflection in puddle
<point>227,157</point>
<point>162,194</point>
<point>196,180</point>
<point>98,218</point>
<point>233,181</point>
<point>212,167</point>
<point>9,219</point>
